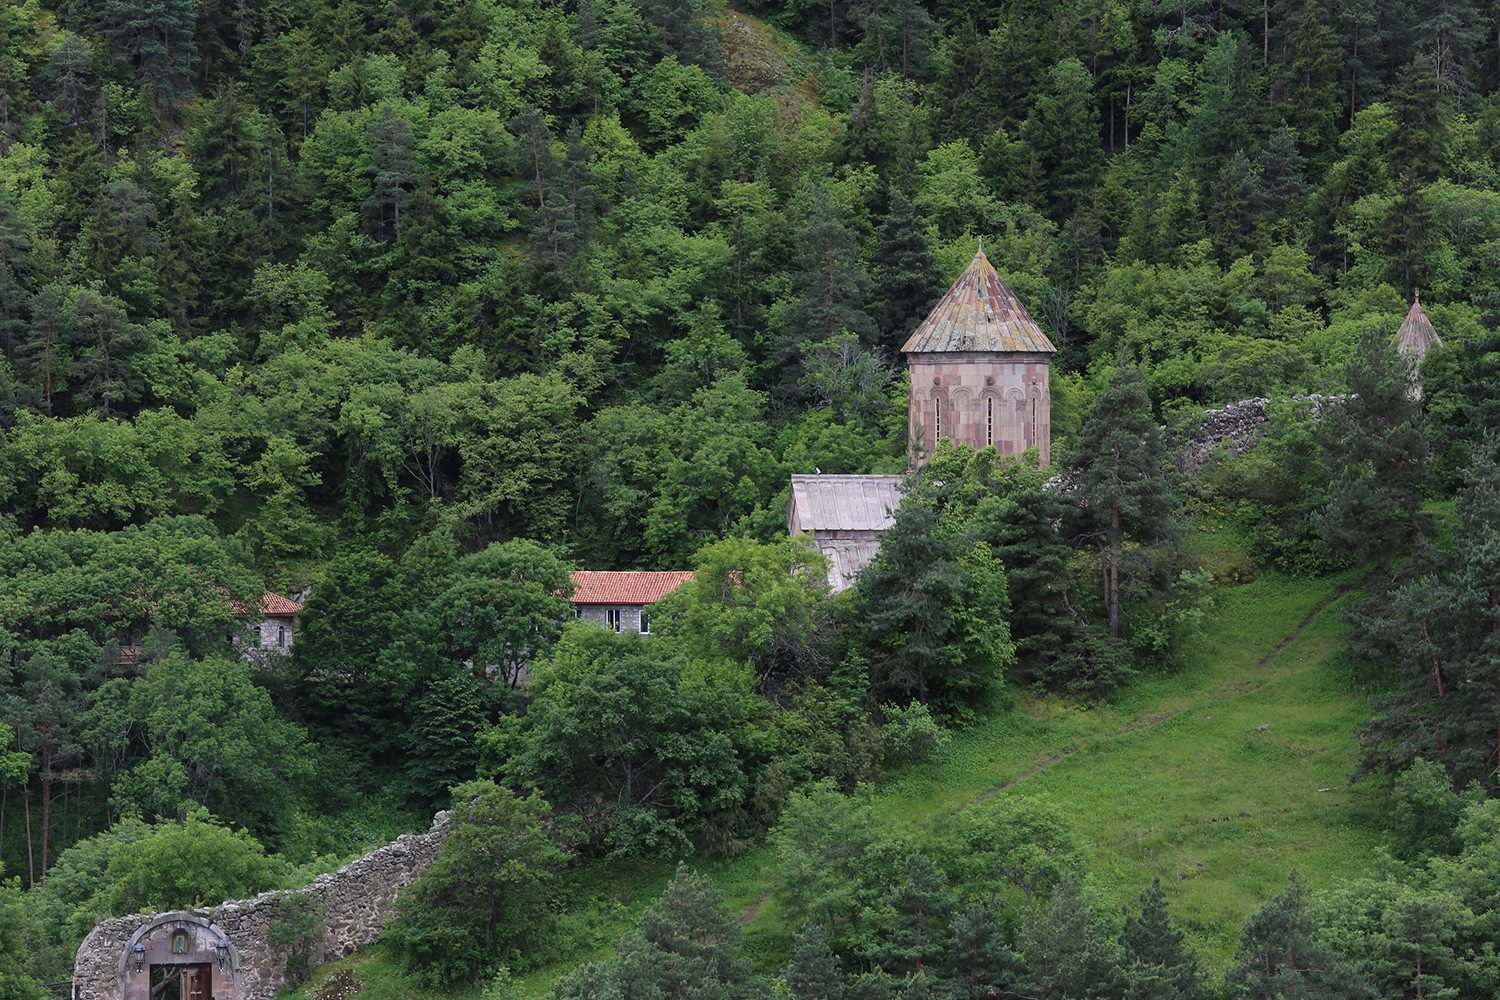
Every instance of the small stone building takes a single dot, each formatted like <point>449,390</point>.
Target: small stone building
<point>274,632</point>
<point>845,516</point>
<point>622,600</point>
<point>980,372</point>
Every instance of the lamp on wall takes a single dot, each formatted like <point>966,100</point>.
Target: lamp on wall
<point>221,946</point>
<point>139,951</point>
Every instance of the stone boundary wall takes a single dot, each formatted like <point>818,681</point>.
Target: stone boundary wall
<point>355,904</point>
<point>1234,426</point>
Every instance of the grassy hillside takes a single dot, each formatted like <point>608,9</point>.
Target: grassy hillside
<point>1219,779</point>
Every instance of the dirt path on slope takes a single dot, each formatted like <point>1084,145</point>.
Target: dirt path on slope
<point>1157,719</point>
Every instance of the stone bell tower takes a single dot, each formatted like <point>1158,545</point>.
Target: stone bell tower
<point>980,370</point>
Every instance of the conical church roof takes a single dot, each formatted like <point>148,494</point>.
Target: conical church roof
<point>1416,335</point>
<point>979,313</point>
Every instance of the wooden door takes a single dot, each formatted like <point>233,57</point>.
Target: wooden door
<point>197,983</point>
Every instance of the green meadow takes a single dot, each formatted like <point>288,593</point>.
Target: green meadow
<point>1219,778</point>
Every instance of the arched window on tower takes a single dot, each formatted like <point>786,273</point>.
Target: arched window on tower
<point>989,421</point>
<point>937,421</point>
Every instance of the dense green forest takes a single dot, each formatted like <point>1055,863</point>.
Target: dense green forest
<point>414,308</point>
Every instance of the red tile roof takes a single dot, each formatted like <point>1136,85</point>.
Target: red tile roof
<point>276,606</point>
<point>626,586</point>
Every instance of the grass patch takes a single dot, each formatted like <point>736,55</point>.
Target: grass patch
<point>1220,780</point>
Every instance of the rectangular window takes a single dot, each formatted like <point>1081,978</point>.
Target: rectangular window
<point>645,622</point>
<point>937,421</point>
<point>989,421</point>
<point>281,637</point>
<point>255,637</point>
<point>612,618</point>
<point>577,611</point>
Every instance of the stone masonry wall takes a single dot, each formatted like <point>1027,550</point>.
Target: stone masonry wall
<point>1234,427</point>
<point>598,614</point>
<point>355,904</point>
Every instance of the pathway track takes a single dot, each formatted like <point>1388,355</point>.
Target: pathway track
<point>1220,694</point>
<point>1152,721</point>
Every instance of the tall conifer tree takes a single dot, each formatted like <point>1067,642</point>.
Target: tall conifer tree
<point>1124,487</point>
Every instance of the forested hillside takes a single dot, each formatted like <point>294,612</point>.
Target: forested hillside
<point>413,308</point>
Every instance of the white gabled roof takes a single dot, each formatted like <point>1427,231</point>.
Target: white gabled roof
<point>843,503</point>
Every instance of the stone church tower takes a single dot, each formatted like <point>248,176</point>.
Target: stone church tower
<point>979,369</point>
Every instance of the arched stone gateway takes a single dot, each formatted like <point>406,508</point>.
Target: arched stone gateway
<point>183,955</point>
<point>232,951</point>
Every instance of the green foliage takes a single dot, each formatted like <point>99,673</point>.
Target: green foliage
<point>1425,810</point>
<point>486,901</point>
<point>1020,843</point>
<point>1375,448</point>
<point>910,735</point>
<point>1125,495</point>
<point>1066,950</point>
<point>15,983</point>
<point>298,923</point>
<point>182,865</point>
<point>638,749</point>
<point>1156,962</point>
<point>686,947</point>
<point>1281,954</point>
<point>933,612</point>
<point>212,738</point>
<point>762,605</point>
<point>384,299</point>
<point>1435,626</point>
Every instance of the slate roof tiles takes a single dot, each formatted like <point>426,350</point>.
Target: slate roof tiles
<point>1417,334</point>
<point>979,313</point>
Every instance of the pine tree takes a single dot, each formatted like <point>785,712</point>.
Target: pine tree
<point>104,348</point>
<point>1441,629</point>
<point>1280,956</point>
<point>394,173</point>
<point>814,972</point>
<point>1375,448</point>
<point>831,283</point>
<point>69,76</point>
<point>1124,490</point>
<point>1421,131</point>
<point>914,930</point>
<point>1450,30</point>
<point>1312,77</point>
<point>906,273</point>
<point>158,38</point>
<point>909,592</point>
<point>687,946</point>
<point>1062,132</point>
<point>979,965</point>
<point>16,271</point>
<point>1157,964</point>
<point>1066,953</point>
<point>561,225</point>
<point>686,31</point>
